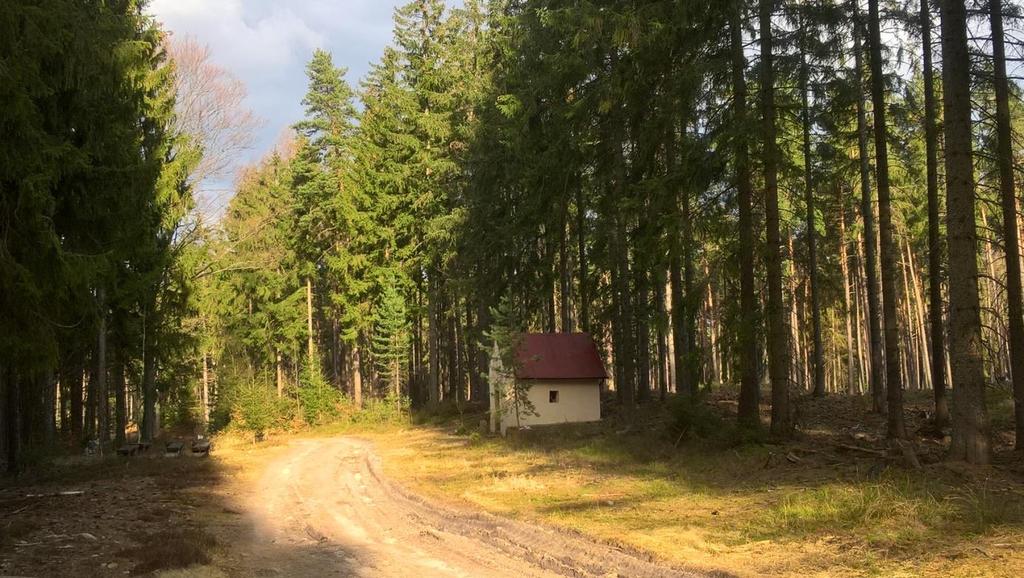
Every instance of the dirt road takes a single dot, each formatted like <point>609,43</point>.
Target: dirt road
<point>327,496</point>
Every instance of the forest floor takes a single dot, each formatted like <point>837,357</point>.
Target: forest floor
<point>626,497</point>
<point>835,501</point>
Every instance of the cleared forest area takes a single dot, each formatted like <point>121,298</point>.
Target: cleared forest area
<point>786,231</point>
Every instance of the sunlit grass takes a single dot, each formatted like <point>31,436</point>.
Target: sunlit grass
<point>883,513</point>
<point>712,508</point>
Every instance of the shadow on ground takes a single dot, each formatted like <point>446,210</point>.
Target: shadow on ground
<point>146,515</point>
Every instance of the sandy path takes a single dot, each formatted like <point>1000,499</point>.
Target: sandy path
<point>328,495</point>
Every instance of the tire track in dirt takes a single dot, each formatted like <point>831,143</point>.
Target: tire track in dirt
<point>332,492</point>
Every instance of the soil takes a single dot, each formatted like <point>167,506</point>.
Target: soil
<point>308,507</point>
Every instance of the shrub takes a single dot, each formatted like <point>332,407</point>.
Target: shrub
<point>182,409</point>
<point>318,399</point>
<point>257,409</point>
<point>388,410</point>
<point>691,417</point>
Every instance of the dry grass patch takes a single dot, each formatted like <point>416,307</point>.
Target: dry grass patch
<point>717,508</point>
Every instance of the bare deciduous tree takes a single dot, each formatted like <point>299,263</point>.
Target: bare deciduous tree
<point>210,109</point>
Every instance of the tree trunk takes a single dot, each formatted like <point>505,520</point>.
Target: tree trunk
<point>714,347</point>
<point>690,300</point>
<point>859,327</point>
<point>641,335</point>
<point>659,289</point>
<point>1011,240</point>
<point>416,376</point>
<point>434,372</point>
<point>910,338</point>
<point>75,392</point>
<point>483,358</point>
<point>988,296</point>
<point>148,385</point>
<point>335,353</point>
<point>90,400</point>
<point>396,379</point>
<point>459,348</point>
<point>969,416</point>
<point>818,358</point>
<point>581,241</point>
<point>120,409</point>
<point>923,337</point>
<point>935,321</point>
<point>874,311</point>
<point>778,341</point>
<point>844,266</point>
<point>625,359</point>
<point>279,370</point>
<point>564,275</point>
<point>309,324</point>
<point>675,267</point>
<point>798,369</point>
<point>451,356</point>
<point>471,336</point>
<point>64,409</point>
<point>357,376</point>
<point>677,319</point>
<point>206,389</point>
<point>103,400</point>
<point>547,256</point>
<point>894,386</point>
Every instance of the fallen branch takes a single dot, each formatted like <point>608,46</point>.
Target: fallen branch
<point>853,448</point>
<point>56,494</point>
<point>19,510</point>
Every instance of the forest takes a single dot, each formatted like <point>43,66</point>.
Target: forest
<point>777,199</point>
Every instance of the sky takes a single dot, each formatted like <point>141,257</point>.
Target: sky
<point>266,44</point>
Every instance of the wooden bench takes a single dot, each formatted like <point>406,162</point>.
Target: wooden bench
<point>129,449</point>
<point>173,448</point>
<point>201,447</point>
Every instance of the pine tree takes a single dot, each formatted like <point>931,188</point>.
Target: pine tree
<point>937,326</point>
<point>817,359</point>
<point>778,342</point>
<point>888,250</point>
<point>749,410</point>
<point>391,336</point>
<point>1011,236</point>
<point>328,218</point>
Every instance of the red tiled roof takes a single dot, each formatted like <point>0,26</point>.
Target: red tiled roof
<point>559,356</point>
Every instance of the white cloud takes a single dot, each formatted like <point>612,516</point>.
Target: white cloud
<point>240,40</point>
<point>266,44</point>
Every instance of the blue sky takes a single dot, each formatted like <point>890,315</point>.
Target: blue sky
<point>266,44</point>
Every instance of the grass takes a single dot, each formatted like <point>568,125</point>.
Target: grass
<point>886,513</point>
<point>715,505</point>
